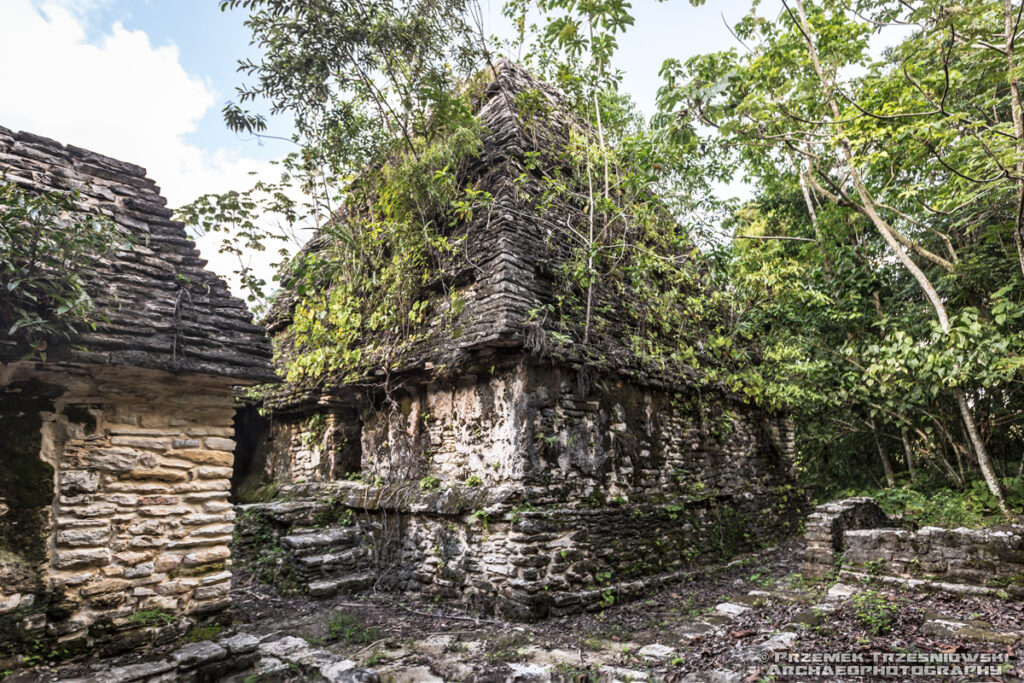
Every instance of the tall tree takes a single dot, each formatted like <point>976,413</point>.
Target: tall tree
<point>920,146</point>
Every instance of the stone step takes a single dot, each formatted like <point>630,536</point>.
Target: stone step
<point>352,583</point>
<point>977,631</point>
<point>333,564</point>
<point>310,542</point>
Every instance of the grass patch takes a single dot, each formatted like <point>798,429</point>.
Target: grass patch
<point>201,633</point>
<point>345,628</point>
<point>505,648</point>
<point>152,617</point>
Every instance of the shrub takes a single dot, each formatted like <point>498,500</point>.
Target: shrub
<point>875,611</point>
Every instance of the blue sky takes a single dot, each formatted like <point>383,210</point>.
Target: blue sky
<point>145,80</point>
<point>210,42</point>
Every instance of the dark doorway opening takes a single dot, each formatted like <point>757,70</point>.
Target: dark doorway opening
<point>252,430</point>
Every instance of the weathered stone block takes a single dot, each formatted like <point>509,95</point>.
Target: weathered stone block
<point>71,559</point>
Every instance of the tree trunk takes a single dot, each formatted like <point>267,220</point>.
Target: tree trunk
<point>883,453</point>
<point>908,451</point>
<point>1009,36</point>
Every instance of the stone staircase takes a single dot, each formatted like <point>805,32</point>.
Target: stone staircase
<point>330,560</point>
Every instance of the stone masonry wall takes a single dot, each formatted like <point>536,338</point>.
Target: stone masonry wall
<point>826,526</point>
<point>953,560</point>
<point>321,446</point>
<point>530,424</point>
<point>487,549</point>
<point>140,520</point>
<point>856,538</point>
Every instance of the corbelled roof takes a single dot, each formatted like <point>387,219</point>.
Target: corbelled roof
<point>513,249</point>
<point>164,310</point>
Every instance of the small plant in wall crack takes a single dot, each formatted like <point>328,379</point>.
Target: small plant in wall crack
<point>481,516</point>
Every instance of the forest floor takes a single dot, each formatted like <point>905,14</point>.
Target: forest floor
<point>729,623</point>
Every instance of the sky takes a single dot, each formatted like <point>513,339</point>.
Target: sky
<point>144,81</point>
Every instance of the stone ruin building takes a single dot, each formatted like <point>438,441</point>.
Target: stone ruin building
<point>494,468</point>
<point>116,452</point>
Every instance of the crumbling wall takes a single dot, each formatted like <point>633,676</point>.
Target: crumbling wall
<point>855,539</point>
<point>140,521</point>
<point>612,439</point>
<point>529,489</point>
<point>827,525</point>
<point>954,560</point>
<point>487,549</point>
<point>472,427</point>
<point>321,445</point>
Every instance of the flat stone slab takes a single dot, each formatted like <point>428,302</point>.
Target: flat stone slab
<point>656,652</point>
<point>955,628</point>
<point>284,648</point>
<point>346,584</point>
<point>690,632</point>
<point>784,596</point>
<point>619,674</point>
<point>534,673</point>
<point>780,641</point>
<point>355,675</point>
<point>416,674</point>
<point>137,672</point>
<point>840,591</point>
<point>197,654</point>
<point>731,609</point>
<point>240,644</point>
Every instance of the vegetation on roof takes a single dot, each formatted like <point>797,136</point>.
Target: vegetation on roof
<point>47,245</point>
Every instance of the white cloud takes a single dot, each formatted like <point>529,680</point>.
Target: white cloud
<point>120,96</point>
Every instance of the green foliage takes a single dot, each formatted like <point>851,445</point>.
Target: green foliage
<point>875,611</point>
<point>363,302</point>
<point>481,516</point>
<point>200,633</point>
<point>824,324</point>
<point>46,249</point>
<point>333,513</point>
<point>239,220</point>
<point>257,542</point>
<point>939,506</point>
<point>346,629</point>
<point>870,362</point>
<point>152,617</point>
<point>429,483</point>
<point>473,480</point>
<point>507,647</point>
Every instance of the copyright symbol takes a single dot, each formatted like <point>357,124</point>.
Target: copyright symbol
<point>765,656</point>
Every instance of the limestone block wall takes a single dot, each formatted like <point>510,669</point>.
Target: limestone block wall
<point>530,424</point>
<point>487,549</point>
<point>137,518</point>
<point>956,560</point>
<point>855,537</point>
<point>319,446</point>
<point>473,426</point>
<point>827,525</point>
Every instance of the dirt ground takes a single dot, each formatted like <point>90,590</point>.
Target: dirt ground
<point>395,633</point>
<point>724,624</point>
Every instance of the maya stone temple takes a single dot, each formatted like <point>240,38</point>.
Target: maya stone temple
<point>492,466</point>
<point>116,452</point>
<point>491,463</point>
